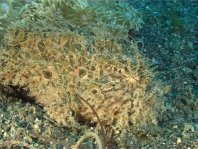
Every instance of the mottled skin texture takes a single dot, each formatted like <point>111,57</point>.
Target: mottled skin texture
<point>59,71</point>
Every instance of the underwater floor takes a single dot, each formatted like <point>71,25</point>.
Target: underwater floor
<point>169,37</point>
